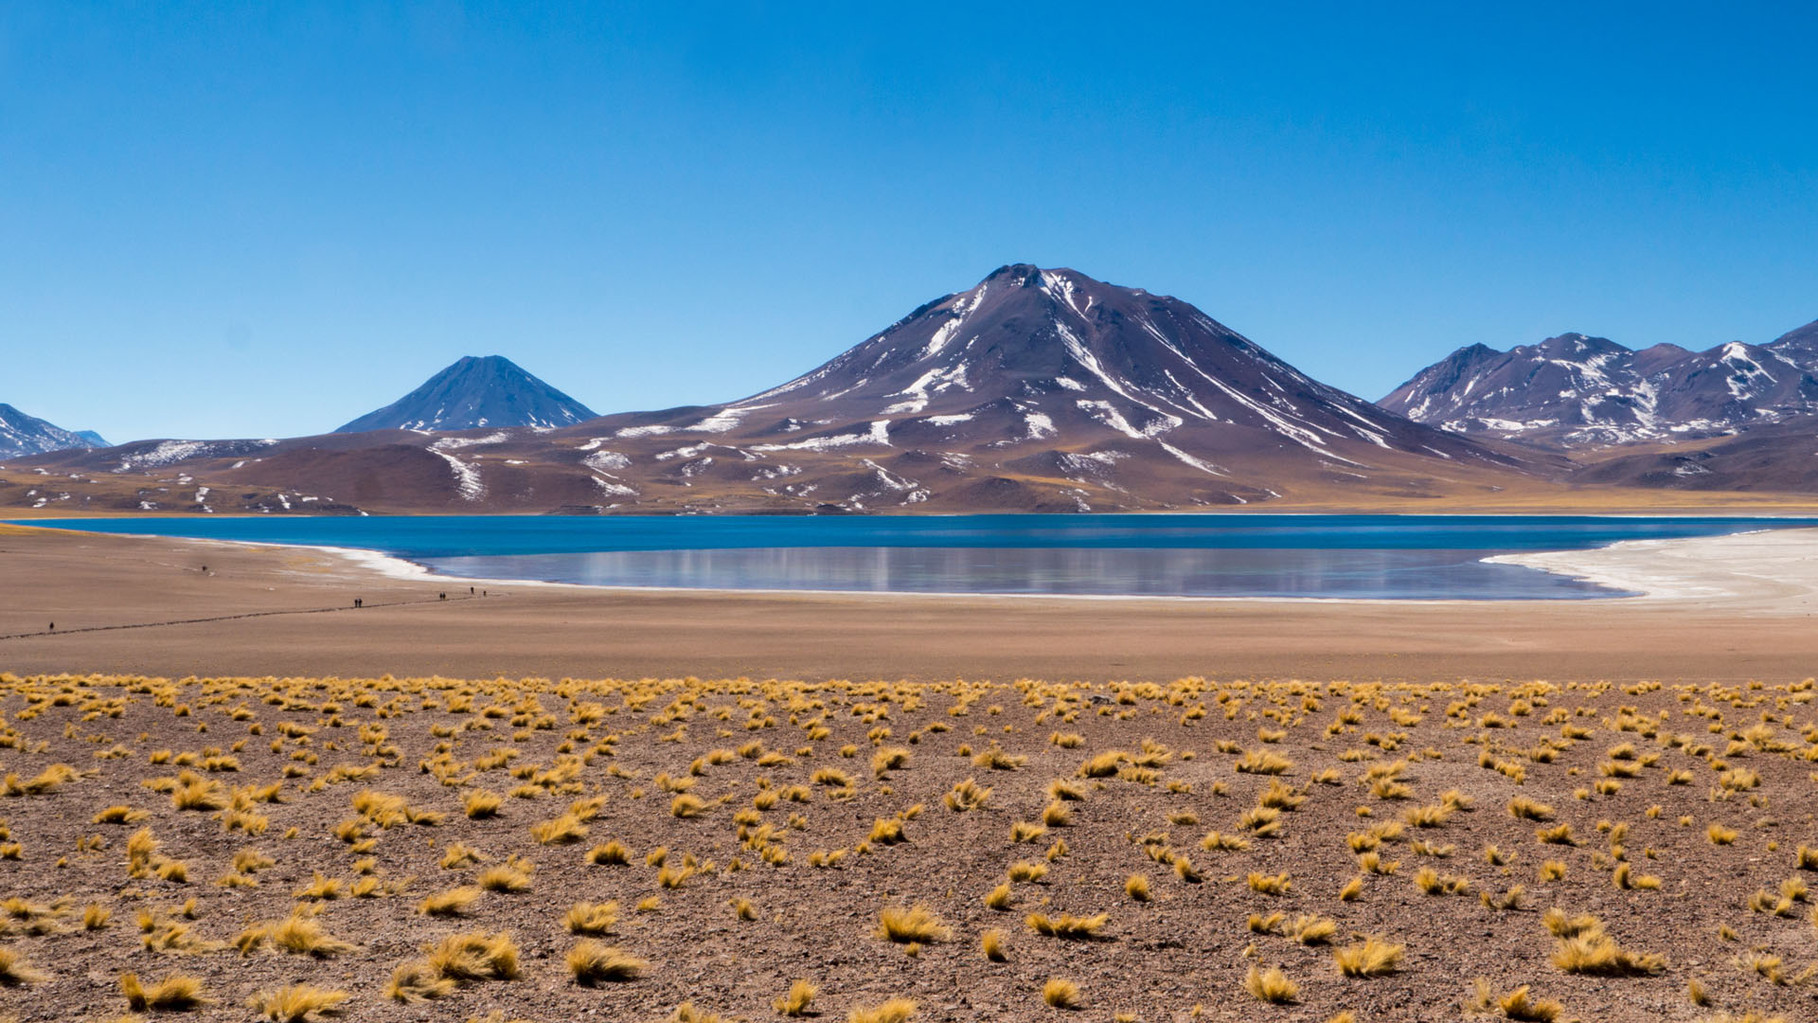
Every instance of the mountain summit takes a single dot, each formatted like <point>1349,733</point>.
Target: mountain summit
<point>1033,355</point>
<point>476,392</point>
<point>1047,386</point>
<point>21,434</point>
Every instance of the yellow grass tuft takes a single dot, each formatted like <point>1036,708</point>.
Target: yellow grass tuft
<point>1270,985</point>
<point>1371,957</point>
<point>593,963</point>
<point>796,1002</point>
<point>480,804</point>
<point>454,902</point>
<point>612,853</point>
<point>1060,993</point>
<point>175,993</point>
<point>14,971</point>
<point>1066,925</point>
<point>992,941</point>
<point>591,917</point>
<point>896,1010</point>
<point>510,877</point>
<point>916,924</point>
<point>294,1003</point>
<point>453,962</point>
<point>1264,762</point>
<point>967,795</point>
<point>1270,884</point>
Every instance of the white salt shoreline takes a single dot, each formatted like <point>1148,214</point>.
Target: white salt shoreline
<point>1773,570</point>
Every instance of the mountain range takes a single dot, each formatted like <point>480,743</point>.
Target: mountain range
<point>1034,390</point>
<point>1574,391</point>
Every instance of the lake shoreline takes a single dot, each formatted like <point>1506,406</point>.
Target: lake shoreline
<point>1212,557</point>
<point>172,608</point>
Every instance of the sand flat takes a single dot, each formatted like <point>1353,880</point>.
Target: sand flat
<point>1723,608</point>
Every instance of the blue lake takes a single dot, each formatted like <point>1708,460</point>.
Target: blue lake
<point>1248,555</point>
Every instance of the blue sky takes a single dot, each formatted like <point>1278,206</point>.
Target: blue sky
<point>265,219</point>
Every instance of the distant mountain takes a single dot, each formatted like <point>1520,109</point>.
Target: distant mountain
<point>21,434</point>
<point>476,392</point>
<point>1577,391</point>
<point>1034,390</point>
<point>1034,360</point>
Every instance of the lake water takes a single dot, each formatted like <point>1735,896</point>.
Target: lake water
<point>1249,555</point>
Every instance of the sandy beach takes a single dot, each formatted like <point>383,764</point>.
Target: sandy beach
<point>1735,607</point>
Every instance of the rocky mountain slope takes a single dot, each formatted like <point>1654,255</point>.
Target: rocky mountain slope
<point>473,393</point>
<point>1574,391</point>
<point>1033,390</point>
<point>21,434</point>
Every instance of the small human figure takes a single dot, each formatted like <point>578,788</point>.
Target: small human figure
<point>53,627</point>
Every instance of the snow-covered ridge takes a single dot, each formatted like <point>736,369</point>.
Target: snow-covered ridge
<point>1576,390</point>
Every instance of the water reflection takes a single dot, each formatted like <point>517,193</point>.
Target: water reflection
<point>1197,572</point>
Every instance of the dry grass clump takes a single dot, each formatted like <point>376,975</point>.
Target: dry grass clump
<point>1067,925</point>
<point>967,795</point>
<point>992,943</point>
<point>120,815</point>
<point>1060,993</point>
<point>15,972</point>
<point>1584,948</point>
<point>1104,765</point>
<point>1023,871</point>
<point>454,962</point>
<point>301,933</point>
<point>1371,957</point>
<point>796,1002</point>
<point>1313,930</point>
<point>481,805</point>
<point>896,1010</point>
<point>593,963</point>
<point>47,781</point>
<point>510,877</point>
<point>591,917</point>
<point>565,829</point>
<point>454,902</point>
<point>175,993</point>
<point>1270,985</point>
<point>1137,888</point>
<point>1524,808</point>
<point>1264,762</point>
<point>294,1003</point>
<point>1517,1005</point>
<point>1270,884</point>
<point>915,925</point>
<point>1001,897</point>
<point>613,853</point>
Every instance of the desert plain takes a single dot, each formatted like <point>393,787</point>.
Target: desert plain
<point>229,794</point>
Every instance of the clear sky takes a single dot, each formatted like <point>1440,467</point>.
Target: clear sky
<point>225,219</point>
